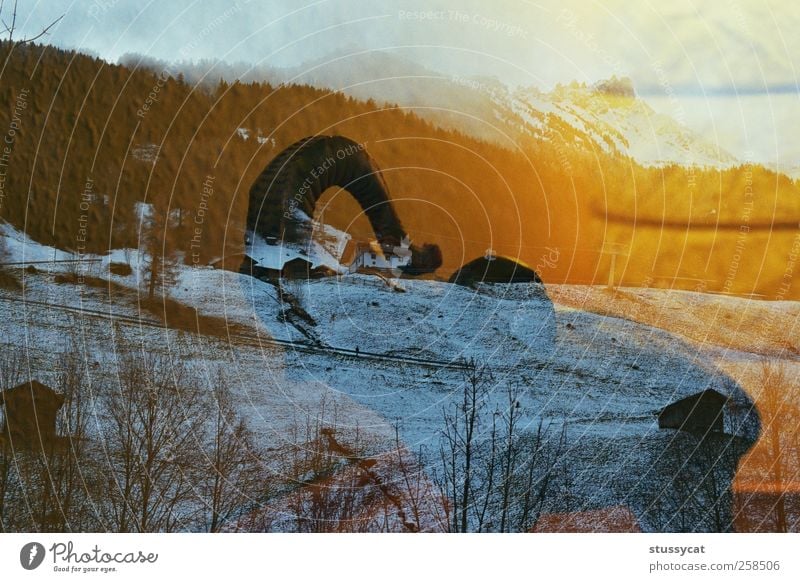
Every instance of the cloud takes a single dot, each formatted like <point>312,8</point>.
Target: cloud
<point>692,46</point>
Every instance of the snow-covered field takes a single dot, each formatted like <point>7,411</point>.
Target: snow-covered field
<point>735,334</point>
<point>602,363</point>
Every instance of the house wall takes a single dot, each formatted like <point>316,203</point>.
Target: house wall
<point>380,261</point>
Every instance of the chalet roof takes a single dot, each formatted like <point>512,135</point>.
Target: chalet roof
<point>701,412</point>
<point>297,261</point>
<point>232,260</point>
<point>39,391</point>
<point>374,246</point>
<point>275,254</point>
<point>709,394</point>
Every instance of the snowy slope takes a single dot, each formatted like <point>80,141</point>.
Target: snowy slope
<point>20,248</point>
<point>600,374</point>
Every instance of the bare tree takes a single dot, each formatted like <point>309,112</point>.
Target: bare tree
<point>459,447</point>
<point>49,484</point>
<point>777,452</point>
<point>10,25</point>
<point>162,459</point>
<point>328,489</point>
<point>67,472</point>
<point>424,508</point>
<point>544,477</point>
<point>11,499</point>
<point>695,474</point>
<point>495,476</point>
<point>235,481</point>
<point>22,486</point>
<point>510,456</point>
<point>328,481</point>
<point>153,434</point>
<point>64,478</point>
<point>159,261</point>
<point>10,376</point>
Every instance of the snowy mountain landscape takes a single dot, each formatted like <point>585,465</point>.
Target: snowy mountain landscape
<point>396,271</point>
<point>607,116</point>
<point>372,357</point>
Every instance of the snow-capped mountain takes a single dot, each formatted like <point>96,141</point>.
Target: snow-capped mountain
<point>610,117</point>
<point>607,116</point>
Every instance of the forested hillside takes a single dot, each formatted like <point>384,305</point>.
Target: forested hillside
<point>85,141</point>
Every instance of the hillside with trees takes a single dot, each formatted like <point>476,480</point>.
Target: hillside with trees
<point>90,141</point>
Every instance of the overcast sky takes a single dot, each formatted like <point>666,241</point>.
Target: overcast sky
<point>684,48</point>
<point>711,45</point>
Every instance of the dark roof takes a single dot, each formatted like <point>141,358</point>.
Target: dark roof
<point>297,261</point>
<point>708,395</point>
<point>498,269</point>
<point>702,412</point>
<point>234,262</point>
<point>35,388</point>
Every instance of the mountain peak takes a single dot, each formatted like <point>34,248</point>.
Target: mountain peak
<point>616,86</point>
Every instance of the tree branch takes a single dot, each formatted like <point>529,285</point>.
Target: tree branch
<point>42,33</point>
<point>12,27</point>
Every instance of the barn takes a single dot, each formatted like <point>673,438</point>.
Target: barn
<point>30,413</point>
<point>297,268</point>
<point>703,412</point>
<point>495,269</point>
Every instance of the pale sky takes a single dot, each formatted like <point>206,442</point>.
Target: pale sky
<point>675,49</point>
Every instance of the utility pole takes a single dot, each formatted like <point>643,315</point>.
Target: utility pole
<point>613,249</point>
